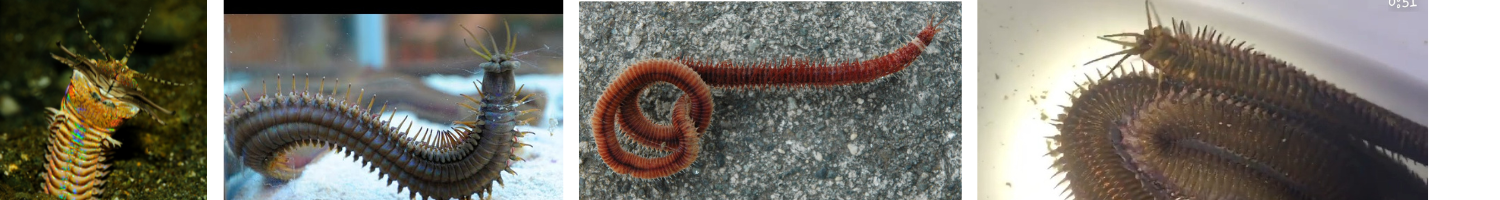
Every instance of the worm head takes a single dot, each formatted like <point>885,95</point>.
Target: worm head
<point>108,81</point>
<point>1144,44</point>
<point>120,76</point>
<point>115,86</point>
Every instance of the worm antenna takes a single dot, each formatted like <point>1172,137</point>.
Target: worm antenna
<point>1149,14</point>
<point>91,36</point>
<point>131,48</point>
<point>158,80</point>
<point>492,41</point>
<point>507,37</point>
<point>509,51</point>
<point>486,54</point>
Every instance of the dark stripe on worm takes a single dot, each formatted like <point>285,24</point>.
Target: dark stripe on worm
<point>691,114</point>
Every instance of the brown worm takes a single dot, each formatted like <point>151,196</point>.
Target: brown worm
<point>1226,64</point>
<point>1224,122</point>
<point>101,95</point>
<point>692,113</point>
<point>444,164</point>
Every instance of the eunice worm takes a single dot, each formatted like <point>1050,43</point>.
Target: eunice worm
<point>1221,121</point>
<point>101,95</point>
<point>692,113</point>
<point>440,164</point>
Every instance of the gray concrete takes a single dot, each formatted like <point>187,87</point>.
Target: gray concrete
<point>897,137</point>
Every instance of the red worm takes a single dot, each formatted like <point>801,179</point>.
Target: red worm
<point>692,113</point>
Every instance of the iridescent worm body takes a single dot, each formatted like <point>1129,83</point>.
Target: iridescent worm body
<point>692,113</point>
<point>101,95</point>
<point>444,164</point>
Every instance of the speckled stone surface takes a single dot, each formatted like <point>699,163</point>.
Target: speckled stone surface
<point>897,137</point>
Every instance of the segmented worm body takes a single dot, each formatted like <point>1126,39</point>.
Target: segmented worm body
<point>444,164</point>
<point>692,113</point>
<point>1221,121</point>
<point>101,95</point>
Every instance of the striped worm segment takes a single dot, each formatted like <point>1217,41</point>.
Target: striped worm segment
<point>101,95</point>
<point>80,132</point>
<point>691,115</point>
